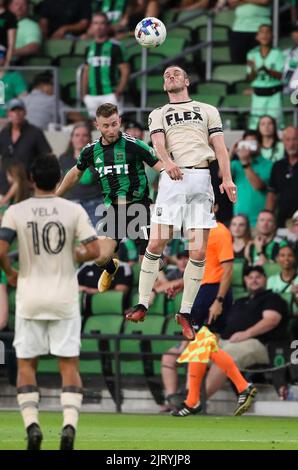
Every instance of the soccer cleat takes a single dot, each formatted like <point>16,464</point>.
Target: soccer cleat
<point>245,400</point>
<point>184,320</point>
<point>186,411</point>
<point>106,278</point>
<point>67,438</point>
<point>34,435</point>
<point>137,313</point>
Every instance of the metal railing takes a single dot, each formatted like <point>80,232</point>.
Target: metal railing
<point>119,355</point>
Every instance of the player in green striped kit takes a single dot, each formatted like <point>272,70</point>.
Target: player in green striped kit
<point>264,67</point>
<point>119,161</point>
<point>106,70</point>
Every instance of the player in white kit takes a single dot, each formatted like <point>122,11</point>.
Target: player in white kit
<point>47,300</point>
<point>187,135</point>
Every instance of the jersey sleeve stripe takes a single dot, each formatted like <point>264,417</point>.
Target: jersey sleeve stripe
<point>155,131</point>
<point>7,234</point>
<point>88,240</point>
<point>215,130</point>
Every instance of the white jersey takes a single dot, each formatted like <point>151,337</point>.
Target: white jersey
<point>187,127</point>
<point>46,228</point>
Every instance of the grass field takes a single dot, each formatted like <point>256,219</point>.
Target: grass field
<point>141,432</point>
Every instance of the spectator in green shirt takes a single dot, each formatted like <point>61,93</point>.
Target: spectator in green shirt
<point>29,37</point>
<point>249,15</point>
<point>264,248</point>
<point>251,174</point>
<point>270,145</point>
<point>14,84</point>
<point>264,69</point>
<point>3,301</point>
<point>285,282</point>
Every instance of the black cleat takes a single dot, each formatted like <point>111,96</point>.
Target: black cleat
<point>67,437</point>
<point>34,437</point>
<point>186,411</point>
<point>245,400</point>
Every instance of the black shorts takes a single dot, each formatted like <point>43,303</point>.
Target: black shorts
<point>203,301</point>
<point>131,221</point>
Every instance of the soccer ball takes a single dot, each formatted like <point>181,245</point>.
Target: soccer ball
<point>150,32</point>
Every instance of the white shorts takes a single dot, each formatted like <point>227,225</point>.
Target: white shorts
<point>188,202</point>
<point>35,338</point>
<point>93,102</point>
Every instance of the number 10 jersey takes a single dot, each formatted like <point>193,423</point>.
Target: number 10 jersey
<point>46,229</point>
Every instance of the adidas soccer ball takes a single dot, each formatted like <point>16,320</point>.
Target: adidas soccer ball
<point>150,32</point>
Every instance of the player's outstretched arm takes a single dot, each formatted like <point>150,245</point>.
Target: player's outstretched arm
<point>69,180</point>
<point>159,145</point>
<point>222,156</point>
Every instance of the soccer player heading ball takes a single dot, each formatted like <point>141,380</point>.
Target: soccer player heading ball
<point>187,135</point>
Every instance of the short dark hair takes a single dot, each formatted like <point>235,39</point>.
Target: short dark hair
<point>45,172</point>
<point>267,211</point>
<point>178,67</point>
<point>106,110</point>
<point>264,25</point>
<point>101,13</point>
<point>45,78</point>
<point>133,125</point>
<point>249,132</point>
<point>251,269</point>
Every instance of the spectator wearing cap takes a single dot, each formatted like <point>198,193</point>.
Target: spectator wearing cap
<point>106,71</point>
<point>134,129</point>
<point>29,36</point>
<point>59,18</point>
<point>14,83</point>
<point>41,103</point>
<point>8,27</point>
<point>19,142</point>
<point>283,184</point>
<point>253,322</point>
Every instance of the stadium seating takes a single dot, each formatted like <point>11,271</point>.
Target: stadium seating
<point>229,73</point>
<point>212,87</point>
<point>237,277</point>
<point>56,47</point>
<point>108,302</point>
<point>129,363</point>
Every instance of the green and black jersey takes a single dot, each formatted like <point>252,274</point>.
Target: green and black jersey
<point>114,9</point>
<point>120,167</point>
<point>104,60</point>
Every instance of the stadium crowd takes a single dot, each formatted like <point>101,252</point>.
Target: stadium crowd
<point>263,224</point>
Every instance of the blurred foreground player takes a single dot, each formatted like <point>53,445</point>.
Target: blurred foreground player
<point>47,300</point>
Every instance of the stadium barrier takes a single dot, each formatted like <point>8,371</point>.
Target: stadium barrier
<point>113,375</point>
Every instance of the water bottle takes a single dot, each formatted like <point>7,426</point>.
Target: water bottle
<point>228,125</point>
